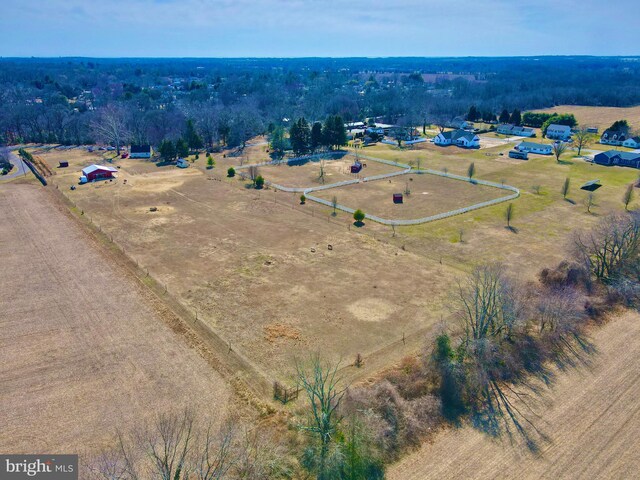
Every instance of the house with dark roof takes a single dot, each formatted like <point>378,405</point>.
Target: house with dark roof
<point>141,151</point>
<point>613,137</point>
<point>632,142</point>
<point>459,123</point>
<point>617,158</point>
<point>558,132</point>
<point>460,138</point>
<point>539,148</point>
<point>516,131</point>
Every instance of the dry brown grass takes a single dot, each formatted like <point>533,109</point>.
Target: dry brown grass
<point>245,260</point>
<point>592,418</point>
<point>84,348</point>
<point>308,173</point>
<point>429,195</point>
<point>601,117</point>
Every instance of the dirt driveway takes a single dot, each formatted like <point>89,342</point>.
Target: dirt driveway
<point>82,349</point>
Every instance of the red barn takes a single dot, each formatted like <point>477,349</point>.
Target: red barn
<point>98,172</point>
<point>397,198</point>
<point>356,167</point>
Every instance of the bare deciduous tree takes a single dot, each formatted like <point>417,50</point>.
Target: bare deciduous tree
<point>111,126</point>
<point>611,246</point>
<point>558,149</point>
<point>582,138</point>
<point>508,214</point>
<point>179,447</point>
<point>323,388</point>
<point>590,201</point>
<point>471,171</point>
<point>627,198</point>
<point>565,188</point>
<point>489,303</point>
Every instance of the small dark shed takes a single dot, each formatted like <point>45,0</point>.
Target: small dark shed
<point>591,186</point>
<point>63,164</point>
<point>397,198</point>
<point>356,167</point>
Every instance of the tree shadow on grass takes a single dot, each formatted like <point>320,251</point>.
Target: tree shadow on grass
<point>568,200</point>
<point>358,224</point>
<point>512,229</point>
<point>565,162</point>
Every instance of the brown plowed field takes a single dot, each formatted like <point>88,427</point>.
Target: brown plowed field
<point>593,422</point>
<point>83,350</point>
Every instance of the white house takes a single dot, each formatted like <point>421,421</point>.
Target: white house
<point>613,137</point>
<point>460,123</point>
<point>461,138</point>
<point>559,132</point>
<point>140,151</point>
<point>508,129</point>
<point>539,148</point>
<point>633,142</point>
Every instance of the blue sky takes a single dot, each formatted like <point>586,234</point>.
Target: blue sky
<point>297,28</point>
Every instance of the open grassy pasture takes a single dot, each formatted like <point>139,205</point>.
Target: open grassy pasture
<point>429,195</point>
<point>256,267</point>
<point>307,172</point>
<point>84,347</point>
<point>545,222</point>
<point>592,418</point>
<point>601,117</point>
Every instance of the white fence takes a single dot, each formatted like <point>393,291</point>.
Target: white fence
<point>406,169</point>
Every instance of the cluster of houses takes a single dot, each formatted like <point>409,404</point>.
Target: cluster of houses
<point>619,138</point>
<point>373,132</point>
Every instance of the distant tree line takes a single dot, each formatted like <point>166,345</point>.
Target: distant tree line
<point>81,101</point>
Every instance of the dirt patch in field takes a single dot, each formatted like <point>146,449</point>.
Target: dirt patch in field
<point>372,309</point>
<point>280,331</point>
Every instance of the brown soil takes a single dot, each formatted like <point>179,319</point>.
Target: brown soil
<point>592,418</point>
<point>85,349</point>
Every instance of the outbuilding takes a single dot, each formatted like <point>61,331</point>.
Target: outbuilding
<point>591,186</point>
<point>397,198</point>
<point>356,167</point>
<point>98,172</point>
<point>63,164</point>
<point>140,151</point>
<point>539,148</point>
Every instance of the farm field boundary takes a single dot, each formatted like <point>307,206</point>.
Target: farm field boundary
<point>220,354</point>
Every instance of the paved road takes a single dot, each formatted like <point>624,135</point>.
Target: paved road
<point>20,167</point>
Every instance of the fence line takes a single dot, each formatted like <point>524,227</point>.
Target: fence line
<point>406,170</point>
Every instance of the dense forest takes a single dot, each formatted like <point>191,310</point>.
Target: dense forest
<point>146,101</point>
